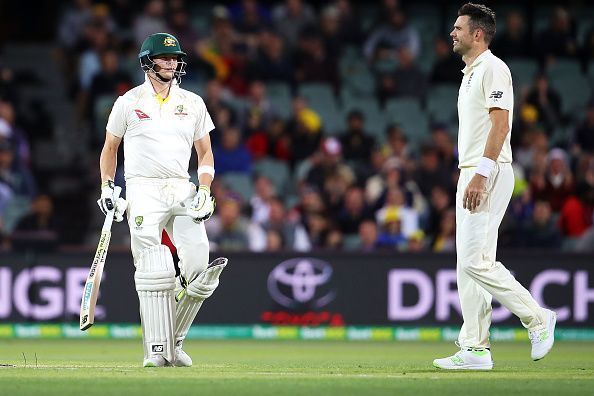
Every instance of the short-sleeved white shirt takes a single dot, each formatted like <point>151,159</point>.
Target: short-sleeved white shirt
<point>158,134</point>
<point>487,83</point>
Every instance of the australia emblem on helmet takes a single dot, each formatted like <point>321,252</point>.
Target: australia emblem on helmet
<point>169,42</point>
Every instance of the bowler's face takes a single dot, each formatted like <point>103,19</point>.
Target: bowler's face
<point>461,35</point>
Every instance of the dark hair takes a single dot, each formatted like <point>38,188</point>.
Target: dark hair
<point>481,17</point>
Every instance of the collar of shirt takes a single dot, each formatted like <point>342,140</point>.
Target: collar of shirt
<point>478,60</point>
<point>148,87</point>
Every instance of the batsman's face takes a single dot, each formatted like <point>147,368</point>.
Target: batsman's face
<point>166,65</point>
<point>461,35</point>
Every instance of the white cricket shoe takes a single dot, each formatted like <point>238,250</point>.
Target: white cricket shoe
<point>182,359</point>
<point>543,338</point>
<point>466,359</point>
<point>154,361</point>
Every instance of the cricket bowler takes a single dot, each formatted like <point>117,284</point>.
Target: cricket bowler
<point>485,111</point>
<point>159,123</point>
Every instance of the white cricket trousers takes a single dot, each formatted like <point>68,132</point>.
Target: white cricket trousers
<point>152,206</point>
<point>480,277</point>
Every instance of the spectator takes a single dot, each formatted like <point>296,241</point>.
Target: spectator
<point>13,174</point>
<point>11,131</point>
<point>578,209</point>
<point>439,203</point>
<point>514,41</point>
<point>442,140</point>
<point>73,23</point>
<point>305,129</point>
<point>541,231</point>
<point>431,171</point>
<point>584,134</point>
<point>406,81</point>
<point>249,17</point>
<point>272,62</point>
<point>558,40</point>
<point>313,63</point>
<point>40,227</point>
<point>330,31</point>
<point>397,143</point>
<point>228,229</point>
<point>264,192</point>
<point>231,155</point>
<point>150,21</point>
<point>258,111</point>
<point>385,41</point>
<point>556,184</point>
<point>408,218</point>
<point>447,65</point>
<point>445,240</point>
<point>291,18</point>
<point>391,236</point>
<point>356,143</point>
<point>349,23</point>
<point>180,26</point>
<point>546,101</point>
<point>329,162</point>
<point>368,235</point>
<point>293,235</point>
<point>353,212</point>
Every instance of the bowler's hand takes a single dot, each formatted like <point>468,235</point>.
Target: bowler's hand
<point>474,192</point>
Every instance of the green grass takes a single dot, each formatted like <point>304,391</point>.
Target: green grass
<point>111,367</point>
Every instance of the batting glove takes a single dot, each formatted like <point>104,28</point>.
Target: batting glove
<point>202,206</point>
<point>107,203</point>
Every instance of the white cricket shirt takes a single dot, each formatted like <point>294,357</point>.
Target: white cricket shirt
<point>487,83</point>
<point>158,133</point>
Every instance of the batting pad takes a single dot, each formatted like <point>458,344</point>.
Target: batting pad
<point>196,292</point>
<point>155,281</point>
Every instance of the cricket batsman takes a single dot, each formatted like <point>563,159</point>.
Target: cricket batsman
<point>485,111</point>
<point>160,122</point>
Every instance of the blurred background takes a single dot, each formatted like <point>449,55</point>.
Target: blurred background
<point>336,126</point>
<point>335,121</point>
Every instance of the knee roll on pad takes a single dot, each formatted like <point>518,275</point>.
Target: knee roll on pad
<point>205,284</point>
<point>155,281</point>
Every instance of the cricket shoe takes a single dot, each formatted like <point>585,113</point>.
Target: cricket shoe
<point>542,339</point>
<point>154,361</point>
<point>466,359</point>
<point>182,359</point>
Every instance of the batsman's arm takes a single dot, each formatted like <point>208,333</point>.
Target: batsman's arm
<point>205,160</point>
<point>109,157</point>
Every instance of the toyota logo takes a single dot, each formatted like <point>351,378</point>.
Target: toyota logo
<point>293,283</point>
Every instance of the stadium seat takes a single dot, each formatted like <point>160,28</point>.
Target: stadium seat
<point>356,76</point>
<point>240,183</point>
<point>442,103</point>
<point>523,72</point>
<point>16,208</point>
<point>563,68</point>
<point>279,94</point>
<point>408,114</point>
<point>574,90</point>
<point>277,171</point>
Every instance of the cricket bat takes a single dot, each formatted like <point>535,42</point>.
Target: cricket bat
<point>91,289</point>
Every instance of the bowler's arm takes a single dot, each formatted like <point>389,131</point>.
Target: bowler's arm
<point>109,157</point>
<point>205,159</point>
<point>499,130</point>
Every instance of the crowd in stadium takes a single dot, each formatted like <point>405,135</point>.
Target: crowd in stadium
<point>335,124</point>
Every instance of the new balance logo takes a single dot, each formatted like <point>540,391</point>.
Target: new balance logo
<point>496,95</point>
<point>157,348</point>
<point>141,115</point>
